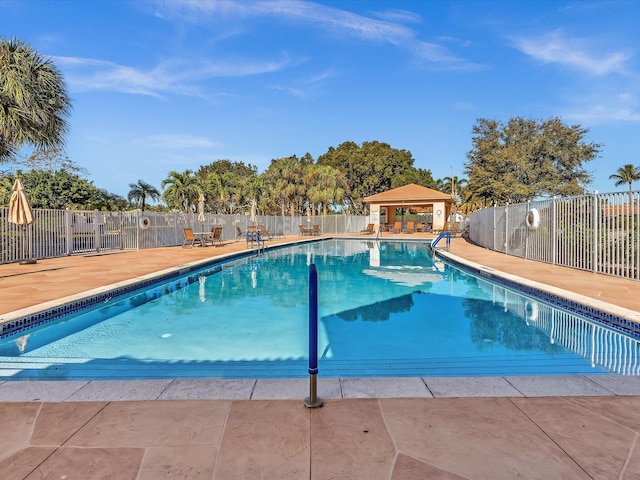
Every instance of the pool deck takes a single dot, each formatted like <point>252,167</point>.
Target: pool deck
<point>582,427</point>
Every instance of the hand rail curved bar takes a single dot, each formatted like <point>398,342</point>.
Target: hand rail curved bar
<point>445,235</point>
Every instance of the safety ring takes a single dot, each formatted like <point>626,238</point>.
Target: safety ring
<point>533,219</point>
<point>144,222</point>
<point>531,312</point>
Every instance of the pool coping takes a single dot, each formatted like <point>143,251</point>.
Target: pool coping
<point>328,388</point>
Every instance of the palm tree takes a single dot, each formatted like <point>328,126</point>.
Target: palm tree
<point>626,174</point>
<point>33,100</point>
<point>104,200</point>
<point>286,176</point>
<point>140,191</point>
<point>181,190</point>
<point>327,186</point>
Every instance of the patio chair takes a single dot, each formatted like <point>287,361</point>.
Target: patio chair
<point>369,230</point>
<point>397,227</point>
<point>410,228</point>
<point>216,236</point>
<point>190,238</point>
<point>239,233</point>
<point>445,228</point>
<point>264,232</point>
<point>305,230</point>
<point>315,230</point>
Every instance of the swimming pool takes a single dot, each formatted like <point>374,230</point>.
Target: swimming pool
<point>385,309</point>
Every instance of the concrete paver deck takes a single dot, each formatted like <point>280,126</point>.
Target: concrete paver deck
<point>496,428</point>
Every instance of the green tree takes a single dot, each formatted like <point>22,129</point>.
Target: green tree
<point>33,100</point>
<point>327,186</point>
<point>139,192</point>
<point>58,190</point>
<point>6,186</point>
<point>626,174</point>
<point>285,176</point>
<point>419,176</point>
<point>222,183</point>
<point>371,168</point>
<point>104,200</point>
<point>52,159</point>
<point>180,190</point>
<point>524,159</point>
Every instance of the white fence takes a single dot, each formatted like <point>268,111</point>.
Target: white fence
<point>57,233</point>
<point>596,232</point>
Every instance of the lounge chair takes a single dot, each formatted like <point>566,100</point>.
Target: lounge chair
<point>264,232</point>
<point>455,229</point>
<point>410,228</point>
<point>397,227</point>
<point>445,228</point>
<point>369,230</point>
<point>190,238</point>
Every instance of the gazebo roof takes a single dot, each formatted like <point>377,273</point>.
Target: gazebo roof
<point>407,194</point>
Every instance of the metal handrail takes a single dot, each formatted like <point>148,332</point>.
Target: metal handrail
<point>442,235</point>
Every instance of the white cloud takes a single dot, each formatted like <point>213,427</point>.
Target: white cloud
<point>396,15</point>
<point>623,107</point>
<point>174,76</point>
<point>173,141</point>
<point>385,31</point>
<point>554,47</point>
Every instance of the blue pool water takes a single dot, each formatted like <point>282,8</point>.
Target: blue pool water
<point>385,309</point>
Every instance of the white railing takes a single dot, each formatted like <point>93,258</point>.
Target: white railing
<point>57,233</point>
<point>596,232</point>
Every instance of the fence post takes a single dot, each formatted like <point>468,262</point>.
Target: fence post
<point>506,229</point>
<point>68,231</point>
<point>312,401</point>
<point>96,231</point>
<point>594,226</point>
<point>553,237</point>
<point>526,239</point>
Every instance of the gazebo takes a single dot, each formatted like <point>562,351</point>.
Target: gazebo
<point>412,197</point>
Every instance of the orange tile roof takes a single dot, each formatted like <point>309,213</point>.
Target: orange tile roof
<point>409,193</point>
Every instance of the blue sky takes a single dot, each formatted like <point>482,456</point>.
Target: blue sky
<point>173,85</point>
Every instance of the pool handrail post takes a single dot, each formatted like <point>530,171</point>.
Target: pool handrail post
<point>312,401</point>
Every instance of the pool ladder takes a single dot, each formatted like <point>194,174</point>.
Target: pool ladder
<point>257,238</point>
<point>445,235</point>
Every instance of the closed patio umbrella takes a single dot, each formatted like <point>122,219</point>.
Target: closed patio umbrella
<point>201,217</point>
<point>20,213</point>
<point>254,211</point>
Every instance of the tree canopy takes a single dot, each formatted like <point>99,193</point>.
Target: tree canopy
<point>373,168</point>
<point>33,100</point>
<point>525,159</point>
<point>59,189</point>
